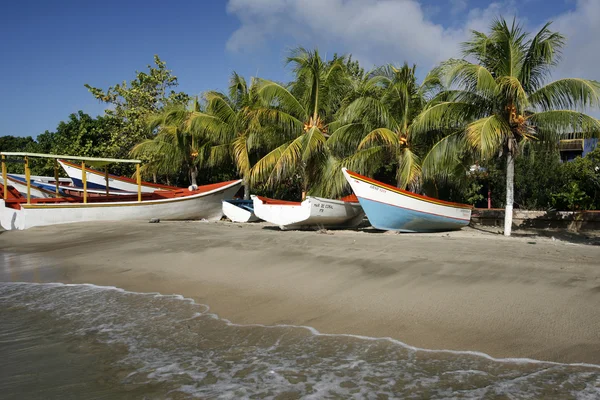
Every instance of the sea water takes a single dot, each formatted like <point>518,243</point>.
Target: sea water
<point>62,341</point>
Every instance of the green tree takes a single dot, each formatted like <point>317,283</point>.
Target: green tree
<point>132,103</point>
<point>230,122</point>
<point>17,144</point>
<point>176,144</point>
<point>373,130</point>
<point>79,135</point>
<point>501,100</point>
<point>300,114</point>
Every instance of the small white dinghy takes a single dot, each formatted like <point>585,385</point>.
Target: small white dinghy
<point>312,213</point>
<point>239,210</point>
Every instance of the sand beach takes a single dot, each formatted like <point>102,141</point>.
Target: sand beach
<point>466,290</point>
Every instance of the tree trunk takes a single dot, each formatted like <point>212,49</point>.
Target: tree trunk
<point>246,190</point>
<point>154,177</point>
<point>193,175</point>
<point>510,187</point>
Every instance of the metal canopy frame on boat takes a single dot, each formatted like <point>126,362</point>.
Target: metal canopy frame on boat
<point>95,161</point>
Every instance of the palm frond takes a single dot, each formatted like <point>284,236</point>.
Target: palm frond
<point>273,94</point>
<point>446,115</point>
<point>382,136</point>
<point>488,134</point>
<point>262,169</point>
<point>469,77</point>
<point>568,93</point>
<point>312,143</point>
<point>442,159</point>
<point>551,125</point>
<point>409,168</point>
<point>542,53</point>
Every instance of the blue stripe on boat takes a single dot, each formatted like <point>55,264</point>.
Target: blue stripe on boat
<point>395,218</point>
<point>79,183</point>
<point>247,205</point>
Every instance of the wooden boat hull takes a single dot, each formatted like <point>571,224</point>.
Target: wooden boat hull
<point>239,210</point>
<point>393,209</point>
<point>199,204</point>
<point>97,180</point>
<point>312,213</point>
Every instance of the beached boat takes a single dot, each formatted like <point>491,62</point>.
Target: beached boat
<point>394,209</point>
<point>97,180</point>
<point>239,210</point>
<point>203,203</point>
<point>312,213</point>
<point>37,190</point>
<point>44,189</point>
<point>22,212</point>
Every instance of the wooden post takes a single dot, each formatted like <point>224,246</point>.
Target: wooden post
<point>139,181</point>
<point>56,181</point>
<point>4,177</point>
<point>84,180</point>
<point>106,179</point>
<point>27,178</point>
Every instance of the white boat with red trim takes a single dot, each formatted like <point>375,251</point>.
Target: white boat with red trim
<point>23,212</point>
<point>238,210</point>
<point>391,208</point>
<point>182,204</point>
<point>97,180</point>
<point>312,213</point>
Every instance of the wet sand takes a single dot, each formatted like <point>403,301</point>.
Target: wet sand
<point>508,297</point>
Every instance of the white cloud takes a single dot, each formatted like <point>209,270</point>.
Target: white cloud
<point>457,6</point>
<point>581,27</point>
<point>382,31</point>
<point>374,31</point>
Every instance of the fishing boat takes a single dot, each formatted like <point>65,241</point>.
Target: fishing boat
<point>314,212</point>
<point>239,210</point>
<point>37,190</point>
<point>393,209</point>
<point>101,179</point>
<point>23,212</point>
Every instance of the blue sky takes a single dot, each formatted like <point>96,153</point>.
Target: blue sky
<point>51,49</point>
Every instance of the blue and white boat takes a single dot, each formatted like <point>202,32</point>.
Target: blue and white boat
<point>239,210</point>
<point>392,209</point>
<point>37,189</point>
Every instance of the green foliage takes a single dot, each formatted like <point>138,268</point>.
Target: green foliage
<point>571,198</point>
<point>132,103</point>
<point>585,174</point>
<point>17,144</point>
<point>473,193</point>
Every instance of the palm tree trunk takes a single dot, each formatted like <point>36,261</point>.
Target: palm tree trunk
<point>510,187</point>
<point>193,175</point>
<point>246,189</point>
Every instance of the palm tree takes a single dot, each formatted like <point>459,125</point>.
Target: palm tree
<point>300,114</point>
<point>500,100</point>
<point>375,128</point>
<point>231,122</point>
<point>175,144</point>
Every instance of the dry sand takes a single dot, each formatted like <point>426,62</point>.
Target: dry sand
<point>466,290</point>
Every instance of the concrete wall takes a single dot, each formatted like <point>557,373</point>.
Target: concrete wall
<point>561,220</point>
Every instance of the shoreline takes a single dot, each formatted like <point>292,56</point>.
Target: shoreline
<point>504,297</point>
